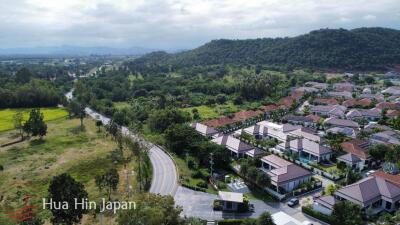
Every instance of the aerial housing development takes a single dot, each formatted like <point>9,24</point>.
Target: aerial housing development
<point>214,112</point>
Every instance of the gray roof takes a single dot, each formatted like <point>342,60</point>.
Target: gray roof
<point>288,173</point>
<point>343,130</point>
<point>203,129</point>
<point>349,158</point>
<point>369,190</point>
<point>328,201</point>
<point>298,118</point>
<point>341,122</point>
<point>232,143</point>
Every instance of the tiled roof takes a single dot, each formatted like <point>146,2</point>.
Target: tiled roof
<point>369,190</point>
<point>203,129</point>
<point>388,105</point>
<point>288,173</point>
<point>395,179</point>
<point>327,101</point>
<point>349,158</point>
<point>355,147</point>
<point>341,122</point>
<point>232,143</point>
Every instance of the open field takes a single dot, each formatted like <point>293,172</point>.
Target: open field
<point>210,112</point>
<point>6,116</point>
<point>30,165</point>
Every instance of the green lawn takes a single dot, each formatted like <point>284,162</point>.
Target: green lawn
<point>30,165</point>
<point>6,116</point>
<point>121,105</point>
<point>211,112</point>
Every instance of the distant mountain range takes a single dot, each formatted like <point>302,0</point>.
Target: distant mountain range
<point>75,50</point>
<point>358,49</point>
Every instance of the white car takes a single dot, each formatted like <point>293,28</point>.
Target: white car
<point>307,223</point>
<point>369,172</point>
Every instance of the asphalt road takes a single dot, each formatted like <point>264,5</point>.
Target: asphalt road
<point>165,177</point>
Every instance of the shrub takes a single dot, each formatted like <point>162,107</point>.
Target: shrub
<point>221,185</point>
<point>202,184</point>
<point>217,205</point>
<point>1,167</point>
<point>194,187</point>
<point>192,164</point>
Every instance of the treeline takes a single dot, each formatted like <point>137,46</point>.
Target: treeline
<point>34,93</point>
<point>361,49</point>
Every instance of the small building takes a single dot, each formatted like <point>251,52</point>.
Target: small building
<point>317,85</point>
<point>285,176</point>
<point>364,102</point>
<point>388,137</point>
<point>392,91</point>
<point>357,156</point>
<point>378,97</point>
<point>300,120</point>
<point>391,113</point>
<point>349,132</point>
<point>324,204</point>
<point>388,105</point>
<point>368,114</point>
<point>231,200</point>
<point>372,193</point>
<point>337,111</point>
<point>326,101</point>
<point>237,147</point>
<point>343,87</point>
<point>204,130</point>
<point>340,94</point>
<point>309,150</point>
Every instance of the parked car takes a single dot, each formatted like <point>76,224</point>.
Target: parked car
<point>293,202</point>
<point>307,223</point>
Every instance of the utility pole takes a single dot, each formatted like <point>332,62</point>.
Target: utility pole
<point>211,164</point>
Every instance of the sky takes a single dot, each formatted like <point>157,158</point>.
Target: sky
<point>179,24</point>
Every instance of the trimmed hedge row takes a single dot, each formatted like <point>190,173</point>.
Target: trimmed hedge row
<point>194,187</point>
<point>320,216</point>
<point>231,222</point>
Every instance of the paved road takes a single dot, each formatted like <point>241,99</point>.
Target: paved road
<point>165,178</point>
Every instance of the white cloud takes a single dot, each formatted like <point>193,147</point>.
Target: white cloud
<point>179,23</point>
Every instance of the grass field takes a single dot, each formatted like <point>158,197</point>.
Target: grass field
<point>211,112</point>
<point>30,165</point>
<point>6,116</point>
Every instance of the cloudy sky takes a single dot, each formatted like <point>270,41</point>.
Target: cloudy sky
<point>177,24</point>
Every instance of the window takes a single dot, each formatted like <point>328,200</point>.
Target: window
<point>388,205</point>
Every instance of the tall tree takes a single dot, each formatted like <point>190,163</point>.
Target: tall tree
<point>109,180</point>
<point>64,188</point>
<point>23,76</point>
<point>265,219</point>
<point>35,125</point>
<point>346,213</point>
<point>18,124</point>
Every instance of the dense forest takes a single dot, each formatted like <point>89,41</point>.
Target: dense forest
<point>357,49</point>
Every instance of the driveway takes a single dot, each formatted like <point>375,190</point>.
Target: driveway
<point>199,204</point>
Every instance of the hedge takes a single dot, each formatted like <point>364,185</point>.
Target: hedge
<point>320,216</point>
<point>231,222</point>
<point>194,187</point>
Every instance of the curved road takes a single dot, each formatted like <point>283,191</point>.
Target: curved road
<point>165,178</point>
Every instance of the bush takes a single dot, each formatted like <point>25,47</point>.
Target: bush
<point>221,185</point>
<point>199,175</point>
<point>192,164</point>
<point>1,167</point>
<point>194,187</point>
<point>217,205</point>
<point>231,222</point>
<point>202,184</point>
<point>320,216</point>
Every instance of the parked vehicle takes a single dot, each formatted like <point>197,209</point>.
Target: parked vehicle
<point>293,202</point>
<point>307,223</point>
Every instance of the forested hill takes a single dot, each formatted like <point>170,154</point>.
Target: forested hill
<point>362,48</point>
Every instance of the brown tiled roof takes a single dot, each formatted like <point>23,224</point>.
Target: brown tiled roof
<point>315,118</point>
<point>286,101</point>
<point>354,148</point>
<point>395,179</point>
<point>327,101</point>
<point>361,102</point>
<point>239,116</point>
<point>389,105</point>
<point>393,112</point>
<point>269,108</point>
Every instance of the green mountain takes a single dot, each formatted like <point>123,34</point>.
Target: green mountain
<point>362,48</point>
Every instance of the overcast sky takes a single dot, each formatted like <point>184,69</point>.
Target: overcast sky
<point>179,24</point>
